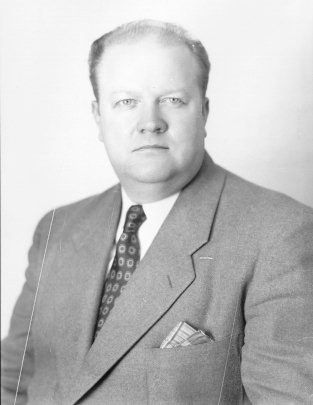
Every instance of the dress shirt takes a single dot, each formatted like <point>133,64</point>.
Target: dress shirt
<point>156,212</point>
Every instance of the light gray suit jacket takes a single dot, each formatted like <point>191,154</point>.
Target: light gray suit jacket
<point>231,259</point>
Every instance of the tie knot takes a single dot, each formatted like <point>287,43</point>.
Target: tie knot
<point>134,218</point>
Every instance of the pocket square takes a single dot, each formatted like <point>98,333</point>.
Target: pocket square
<point>184,335</point>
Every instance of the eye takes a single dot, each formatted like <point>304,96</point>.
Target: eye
<point>172,100</point>
<point>126,102</point>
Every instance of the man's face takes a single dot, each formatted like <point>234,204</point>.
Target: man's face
<point>151,113</point>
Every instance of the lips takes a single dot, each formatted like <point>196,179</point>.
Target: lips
<point>146,147</point>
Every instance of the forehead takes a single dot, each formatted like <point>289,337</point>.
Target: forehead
<point>147,61</point>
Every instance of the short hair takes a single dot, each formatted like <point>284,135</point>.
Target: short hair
<point>167,33</point>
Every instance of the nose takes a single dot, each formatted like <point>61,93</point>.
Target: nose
<point>151,122</point>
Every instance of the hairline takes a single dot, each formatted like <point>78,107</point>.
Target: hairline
<point>160,41</point>
<point>166,34</point>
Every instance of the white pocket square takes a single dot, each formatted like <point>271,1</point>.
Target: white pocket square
<point>184,335</point>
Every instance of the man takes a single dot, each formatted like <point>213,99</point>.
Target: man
<point>200,245</point>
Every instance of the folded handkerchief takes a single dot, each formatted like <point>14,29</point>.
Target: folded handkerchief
<point>184,335</point>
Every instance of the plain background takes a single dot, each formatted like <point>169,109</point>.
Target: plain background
<point>261,96</point>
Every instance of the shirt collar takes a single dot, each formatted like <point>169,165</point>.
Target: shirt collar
<point>156,211</point>
<point>150,209</point>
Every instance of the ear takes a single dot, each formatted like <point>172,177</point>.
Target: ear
<point>205,108</point>
<point>96,115</point>
<point>95,111</point>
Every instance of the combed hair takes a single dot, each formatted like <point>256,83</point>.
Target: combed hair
<point>167,33</point>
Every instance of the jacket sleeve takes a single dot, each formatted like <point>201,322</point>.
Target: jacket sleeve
<point>12,347</point>
<point>277,356</point>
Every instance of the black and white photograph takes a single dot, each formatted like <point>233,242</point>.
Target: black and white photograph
<point>156,202</point>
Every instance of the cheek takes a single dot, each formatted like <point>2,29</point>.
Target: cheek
<point>187,120</point>
<point>116,140</point>
<point>187,132</point>
<point>113,131</point>
<point>119,126</point>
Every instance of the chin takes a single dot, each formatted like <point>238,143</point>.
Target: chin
<point>152,174</point>
<point>151,178</point>
<point>151,171</point>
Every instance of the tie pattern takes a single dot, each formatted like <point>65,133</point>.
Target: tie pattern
<point>124,264</point>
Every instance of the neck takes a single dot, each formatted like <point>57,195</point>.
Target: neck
<point>143,193</point>
<point>147,193</point>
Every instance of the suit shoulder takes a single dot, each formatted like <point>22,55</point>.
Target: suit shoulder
<point>268,220</point>
<point>76,210</point>
<point>268,211</point>
<point>248,194</point>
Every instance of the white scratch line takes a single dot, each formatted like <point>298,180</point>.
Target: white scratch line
<point>206,258</point>
<point>33,309</point>
<point>228,351</point>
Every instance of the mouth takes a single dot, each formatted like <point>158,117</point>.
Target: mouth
<point>147,147</point>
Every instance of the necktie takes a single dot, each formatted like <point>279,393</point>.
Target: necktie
<point>124,264</point>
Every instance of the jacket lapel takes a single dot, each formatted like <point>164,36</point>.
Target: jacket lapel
<point>81,265</point>
<point>162,276</point>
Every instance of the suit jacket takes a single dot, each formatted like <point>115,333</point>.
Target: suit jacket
<point>232,259</point>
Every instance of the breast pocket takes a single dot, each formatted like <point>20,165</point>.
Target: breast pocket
<point>192,374</point>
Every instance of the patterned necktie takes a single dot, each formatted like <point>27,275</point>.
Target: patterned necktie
<point>124,264</point>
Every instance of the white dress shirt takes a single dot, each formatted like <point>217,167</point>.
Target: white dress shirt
<point>156,212</point>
